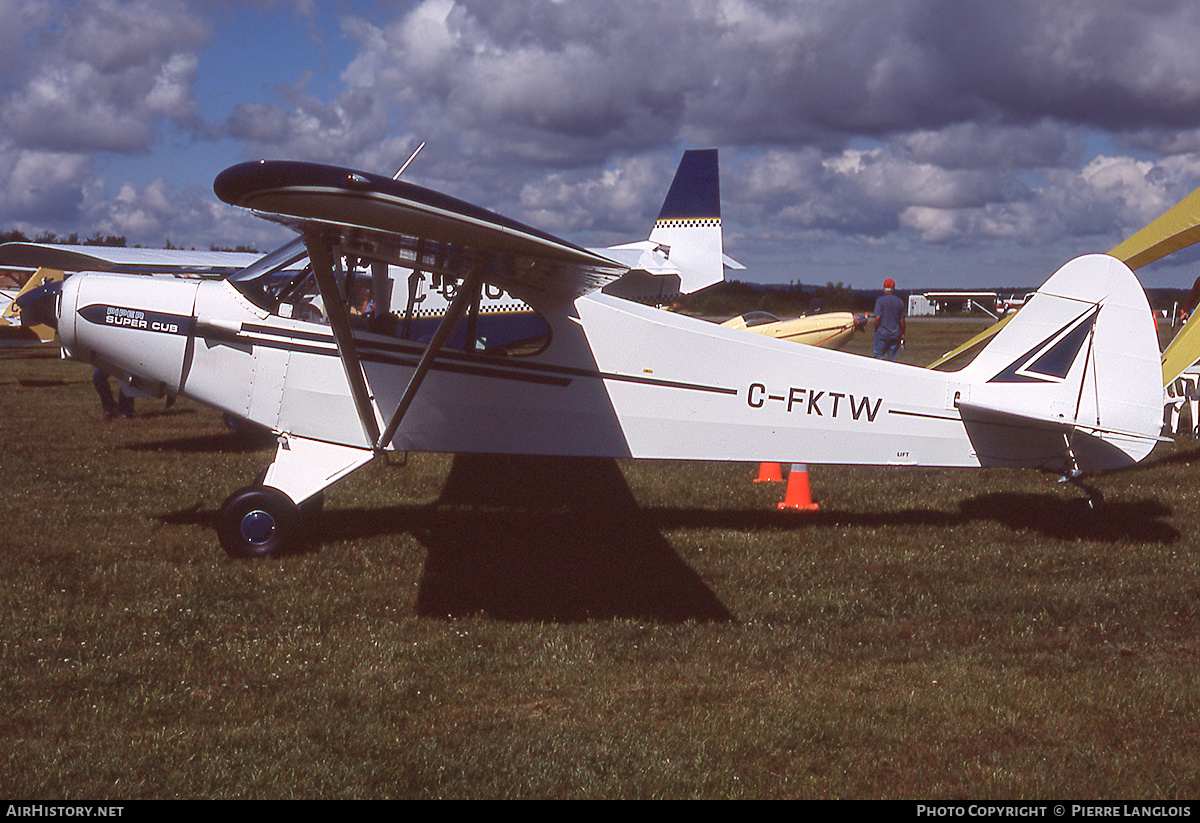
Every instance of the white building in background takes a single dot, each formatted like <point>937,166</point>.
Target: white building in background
<point>919,306</point>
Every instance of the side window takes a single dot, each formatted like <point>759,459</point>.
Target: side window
<point>495,324</point>
<point>395,302</point>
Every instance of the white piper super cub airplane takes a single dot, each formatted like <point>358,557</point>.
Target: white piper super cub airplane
<point>338,371</point>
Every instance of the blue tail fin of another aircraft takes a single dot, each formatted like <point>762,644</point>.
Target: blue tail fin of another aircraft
<point>689,224</point>
<point>695,192</point>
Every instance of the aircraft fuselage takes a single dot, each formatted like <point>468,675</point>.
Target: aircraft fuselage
<point>616,379</point>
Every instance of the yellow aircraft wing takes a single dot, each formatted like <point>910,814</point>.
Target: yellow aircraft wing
<point>971,345</point>
<point>1175,229</point>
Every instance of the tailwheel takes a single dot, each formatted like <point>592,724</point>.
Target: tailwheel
<point>1095,497</point>
<point>257,522</point>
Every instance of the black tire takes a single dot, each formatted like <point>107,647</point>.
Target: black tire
<point>257,522</point>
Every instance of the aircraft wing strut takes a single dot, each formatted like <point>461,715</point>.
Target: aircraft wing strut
<point>324,262</point>
<point>467,293</point>
<point>321,255</point>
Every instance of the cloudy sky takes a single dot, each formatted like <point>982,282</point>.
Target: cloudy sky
<point>944,143</point>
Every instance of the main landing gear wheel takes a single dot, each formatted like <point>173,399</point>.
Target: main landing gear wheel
<point>257,522</point>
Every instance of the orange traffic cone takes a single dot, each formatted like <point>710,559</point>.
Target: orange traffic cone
<point>769,473</point>
<point>798,496</point>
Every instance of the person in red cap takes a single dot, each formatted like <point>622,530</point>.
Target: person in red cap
<point>889,322</point>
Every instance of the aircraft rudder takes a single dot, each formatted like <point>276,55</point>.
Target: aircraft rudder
<point>695,191</point>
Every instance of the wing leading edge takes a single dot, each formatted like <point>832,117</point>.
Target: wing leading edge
<point>122,260</point>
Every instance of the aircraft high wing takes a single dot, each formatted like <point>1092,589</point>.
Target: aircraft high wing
<point>173,262</point>
<point>324,357</point>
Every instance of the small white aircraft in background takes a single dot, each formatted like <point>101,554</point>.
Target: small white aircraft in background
<point>317,343</point>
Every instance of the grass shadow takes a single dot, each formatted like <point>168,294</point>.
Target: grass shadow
<point>1061,518</point>
<point>563,539</point>
<point>35,383</point>
<point>1138,521</point>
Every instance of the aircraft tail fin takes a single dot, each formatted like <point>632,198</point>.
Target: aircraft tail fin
<point>688,227</point>
<point>1073,382</point>
<point>685,251</point>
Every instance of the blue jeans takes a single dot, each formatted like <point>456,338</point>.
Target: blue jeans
<point>122,407</point>
<point>886,349</point>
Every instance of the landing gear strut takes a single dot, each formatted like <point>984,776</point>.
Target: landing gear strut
<point>264,520</point>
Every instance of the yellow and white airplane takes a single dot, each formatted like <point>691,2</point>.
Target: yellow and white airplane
<point>831,330</point>
<point>1071,385</point>
<point>11,327</point>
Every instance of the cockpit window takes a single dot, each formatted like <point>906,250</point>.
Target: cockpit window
<point>280,259</point>
<point>393,301</point>
<point>759,318</point>
<point>267,282</point>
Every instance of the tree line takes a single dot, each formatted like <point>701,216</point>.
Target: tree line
<point>97,239</point>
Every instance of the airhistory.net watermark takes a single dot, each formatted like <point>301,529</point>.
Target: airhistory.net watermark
<point>52,810</point>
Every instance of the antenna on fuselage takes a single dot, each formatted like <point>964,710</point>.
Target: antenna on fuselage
<point>411,157</point>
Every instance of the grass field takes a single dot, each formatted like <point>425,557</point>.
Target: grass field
<point>503,628</point>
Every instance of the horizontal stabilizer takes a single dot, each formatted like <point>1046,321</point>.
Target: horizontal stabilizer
<point>1005,439</point>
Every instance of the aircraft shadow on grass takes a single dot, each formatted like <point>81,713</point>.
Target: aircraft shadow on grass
<point>540,538</point>
<point>563,539</point>
<point>530,539</point>
<point>1138,521</point>
<point>1050,514</point>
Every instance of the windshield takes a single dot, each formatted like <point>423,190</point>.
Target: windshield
<point>281,258</point>
<point>276,277</point>
<point>759,318</point>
